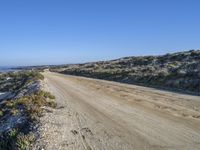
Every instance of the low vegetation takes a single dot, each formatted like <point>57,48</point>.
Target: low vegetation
<point>15,81</point>
<point>176,71</point>
<point>20,113</point>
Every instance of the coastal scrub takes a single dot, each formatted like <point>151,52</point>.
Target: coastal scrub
<point>21,112</point>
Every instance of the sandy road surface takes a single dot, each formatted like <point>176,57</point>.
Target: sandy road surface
<point>95,114</point>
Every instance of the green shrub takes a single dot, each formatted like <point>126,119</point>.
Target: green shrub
<point>24,141</point>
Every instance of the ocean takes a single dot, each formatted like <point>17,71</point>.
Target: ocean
<point>6,69</point>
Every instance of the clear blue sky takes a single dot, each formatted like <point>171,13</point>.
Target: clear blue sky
<point>36,32</point>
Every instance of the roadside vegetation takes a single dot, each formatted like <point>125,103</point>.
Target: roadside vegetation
<point>176,71</point>
<point>21,111</point>
<point>14,81</point>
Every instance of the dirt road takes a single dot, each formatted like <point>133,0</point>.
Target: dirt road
<point>95,114</point>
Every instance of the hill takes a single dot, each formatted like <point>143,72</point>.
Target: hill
<point>176,71</point>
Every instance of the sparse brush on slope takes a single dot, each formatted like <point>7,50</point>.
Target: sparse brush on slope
<point>176,71</point>
<point>21,112</point>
